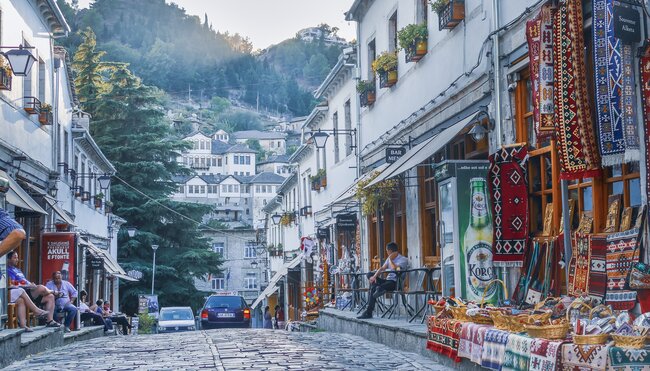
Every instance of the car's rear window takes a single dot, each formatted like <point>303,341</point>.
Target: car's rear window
<point>225,302</point>
<point>176,314</point>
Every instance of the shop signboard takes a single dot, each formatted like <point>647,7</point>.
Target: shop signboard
<point>394,153</point>
<point>58,254</point>
<point>323,234</point>
<point>97,263</point>
<point>346,222</point>
<point>627,23</point>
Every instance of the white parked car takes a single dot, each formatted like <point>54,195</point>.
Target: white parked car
<point>176,319</point>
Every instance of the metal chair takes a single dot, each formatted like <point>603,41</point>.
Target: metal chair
<point>418,288</point>
<point>399,295</point>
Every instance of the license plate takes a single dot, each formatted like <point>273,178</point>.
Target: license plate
<point>225,315</point>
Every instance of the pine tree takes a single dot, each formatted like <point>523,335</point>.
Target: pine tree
<point>132,131</point>
<point>88,66</point>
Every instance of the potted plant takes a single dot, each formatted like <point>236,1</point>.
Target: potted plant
<point>367,93</point>
<point>5,75</point>
<point>322,176</point>
<point>315,183</point>
<point>285,220</point>
<point>45,114</point>
<point>450,12</point>
<point>386,67</point>
<point>377,196</point>
<point>99,198</point>
<point>413,39</point>
<point>108,207</point>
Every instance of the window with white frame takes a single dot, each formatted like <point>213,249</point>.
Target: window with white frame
<point>335,124</point>
<point>219,248</point>
<point>348,127</point>
<point>249,251</point>
<point>219,282</point>
<point>392,32</point>
<point>250,283</point>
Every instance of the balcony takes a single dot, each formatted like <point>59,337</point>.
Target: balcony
<point>32,105</point>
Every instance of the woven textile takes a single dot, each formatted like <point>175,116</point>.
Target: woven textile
<point>517,357</point>
<point>443,336</point>
<point>584,357</point>
<point>508,182</point>
<point>471,341</point>
<point>494,349</point>
<point>645,92</point>
<point>544,355</point>
<point>539,34</point>
<point>622,253</point>
<point>625,359</point>
<point>579,265</point>
<point>579,157</point>
<point>597,268</point>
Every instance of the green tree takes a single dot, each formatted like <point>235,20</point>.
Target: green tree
<point>255,145</point>
<point>131,129</point>
<point>219,105</point>
<point>88,65</point>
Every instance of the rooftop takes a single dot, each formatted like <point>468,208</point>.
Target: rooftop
<point>275,158</point>
<point>267,178</point>
<point>256,134</point>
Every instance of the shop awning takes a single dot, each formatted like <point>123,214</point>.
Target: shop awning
<point>58,210</point>
<point>18,197</point>
<point>110,264</point>
<point>352,189</point>
<point>423,151</point>
<point>272,287</point>
<point>125,277</point>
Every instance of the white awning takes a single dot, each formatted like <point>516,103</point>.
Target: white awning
<point>272,287</point>
<point>423,151</point>
<point>125,277</point>
<point>58,210</point>
<point>18,197</point>
<point>110,264</point>
<point>352,189</point>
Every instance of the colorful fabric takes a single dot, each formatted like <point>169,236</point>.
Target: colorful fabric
<point>644,62</point>
<point>632,146</point>
<point>443,336</point>
<point>579,157</point>
<point>579,265</point>
<point>517,357</point>
<point>597,268</point>
<point>622,254</point>
<point>544,355</point>
<point>494,349</point>
<point>539,34</point>
<point>584,357</point>
<point>508,183</point>
<point>471,341</point>
<point>625,359</point>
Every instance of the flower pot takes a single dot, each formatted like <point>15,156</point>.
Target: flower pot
<point>45,117</point>
<point>416,51</point>
<point>387,78</point>
<point>62,227</point>
<point>5,79</point>
<point>323,182</point>
<point>452,14</point>
<point>98,203</point>
<point>367,98</point>
<point>315,185</point>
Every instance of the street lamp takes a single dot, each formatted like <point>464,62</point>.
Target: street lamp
<point>131,231</point>
<point>20,60</point>
<point>276,218</point>
<point>104,182</point>
<point>254,264</point>
<point>320,138</point>
<point>153,276</point>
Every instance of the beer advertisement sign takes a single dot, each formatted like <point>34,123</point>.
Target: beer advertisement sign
<point>58,254</point>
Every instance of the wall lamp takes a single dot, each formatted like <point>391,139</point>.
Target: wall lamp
<point>276,218</point>
<point>104,180</point>
<point>478,130</point>
<point>320,137</point>
<point>20,59</point>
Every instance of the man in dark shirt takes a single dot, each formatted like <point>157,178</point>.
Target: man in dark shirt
<point>11,233</point>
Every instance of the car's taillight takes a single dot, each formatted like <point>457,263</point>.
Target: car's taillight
<point>247,313</point>
<point>204,314</point>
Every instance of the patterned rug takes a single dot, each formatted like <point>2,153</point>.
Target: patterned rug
<point>615,100</point>
<point>471,341</point>
<point>579,157</point>
<point>624,359</point>
<point>544,355</point>
<point>579,265</point>
<point>494,349</point>
<point>584,357</point>
<point>597,271</point>
<point>517,357</point>
<point>508,182</point>
<point>622,253</point>
<point>443,336</point>
<point>539,34</point>
<point>645,92</point>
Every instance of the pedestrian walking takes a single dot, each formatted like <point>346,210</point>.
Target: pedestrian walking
<point>267,318</point>
<point>279,317</point>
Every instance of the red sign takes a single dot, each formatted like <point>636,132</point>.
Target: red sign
<point>58,254</point>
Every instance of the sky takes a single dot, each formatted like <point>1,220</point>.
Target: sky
<point>268,22</point>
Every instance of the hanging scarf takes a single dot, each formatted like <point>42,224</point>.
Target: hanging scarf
<point>622,254</point>
<point>508,183</point>
<point>644,61</point>
<point>615,99</point>
<point>577,149</point>
<point>597,272</point>
<point>579,265</point>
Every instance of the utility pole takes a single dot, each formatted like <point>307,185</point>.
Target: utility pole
<point>189,93</point>
<point>258,101</point>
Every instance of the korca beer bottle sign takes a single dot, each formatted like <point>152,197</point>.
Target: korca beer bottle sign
<point>478,245</point>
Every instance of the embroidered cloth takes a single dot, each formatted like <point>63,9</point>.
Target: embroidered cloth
<point>584,357</point>
<point>539,34</point>
<point>517,357</point>
<point>443,336</point>
<point>579,157</point>
<point>471,341</point>
<point>579,265</point>
<point>508,183</point>
<point>544,355</point>
<point>625,359</point>
<point>622,253</point>
<point>494,348</point>
<point>645,92</point>
<point>597,271</point>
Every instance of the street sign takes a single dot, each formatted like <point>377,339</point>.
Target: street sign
<point>97,263</point>
<point>627,23</point>
<point>323,234</point>
<point>346,222</point>
<point>394,153</point>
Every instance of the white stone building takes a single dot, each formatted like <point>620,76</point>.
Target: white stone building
<point>278,164</point>
<point>272,142</point>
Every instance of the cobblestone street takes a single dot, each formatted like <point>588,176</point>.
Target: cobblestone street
<point>228,350</point>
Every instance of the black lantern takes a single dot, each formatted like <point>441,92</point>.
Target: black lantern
<point>104,181</point>
<point>320,138</point>
<point>20,60</point>
<point>131,231</point>
<point>276,218</point>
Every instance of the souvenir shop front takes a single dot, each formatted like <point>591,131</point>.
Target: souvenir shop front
<point>567,203</point>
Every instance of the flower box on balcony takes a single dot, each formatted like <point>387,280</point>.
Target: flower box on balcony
<point>386,67</point>
<point>98,202</point>
<point>416,51</point>
<point>315,184</point>
<point>5,78</point>
<point>387,78</point>
<point>32,105</point>
<point>413,39</point>
<point>450,13</point>
<point>367,92</point>
<point>45,116</point>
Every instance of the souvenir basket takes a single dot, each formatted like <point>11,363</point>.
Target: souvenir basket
<point>436,307</point>
<point>548,332</point>
<point>515,322</point>
<point>629,341</point>
<point>540,305</point>
<point>596,339</point>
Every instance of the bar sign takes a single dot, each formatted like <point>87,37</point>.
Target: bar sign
<point>394,153</point>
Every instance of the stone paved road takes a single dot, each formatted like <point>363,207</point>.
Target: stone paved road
<point>228,350</point>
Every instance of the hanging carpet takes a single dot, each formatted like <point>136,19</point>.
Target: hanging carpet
<point>645,92</point>
<point>622,253</point>
<point>579,265</point>
<point>597,271</point>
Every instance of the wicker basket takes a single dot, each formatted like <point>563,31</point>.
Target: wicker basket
<point>549,332</point>
<point>515,323</point>
<point>439,308</point>
<point>597,339</point>
<point>541,303</point>
<point>626,341</point>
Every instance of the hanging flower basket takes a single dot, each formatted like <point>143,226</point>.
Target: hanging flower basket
<point>5,78</point>
<point>413,39</point>
<point>322,177</point>
<point>450,13</point>
<point>98,202</point>
<point>385,66</point>
<point>367,92</point>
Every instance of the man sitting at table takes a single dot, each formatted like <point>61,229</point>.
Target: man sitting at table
<point>379,286</point>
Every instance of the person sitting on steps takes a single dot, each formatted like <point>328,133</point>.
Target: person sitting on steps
<point>379,286</point>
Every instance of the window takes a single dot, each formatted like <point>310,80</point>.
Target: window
<point>224,188</point>
<point>27,80</point>
<point>279,144</point>
<point>181,189</point>
<point>249,251</point>
<point>218,282</point>
<point>190,188</point>
<point>236,188</point>
<point>218,248</point>
<point>201,144</point>
<point>248,173</point>
<point>272,144</point>
<point>422,11</point>
<point>230,188</point>
<point>392,32</point>
<point>250,283</point>
<point>236,160</point>
<point>248,160</point>
<point>41,80</point>
<point>348,127</point>
<point>219,162</point>
<point>335,125</point>
<point>202,189</point>
<point>257,189</point>
<point>372,54</point>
